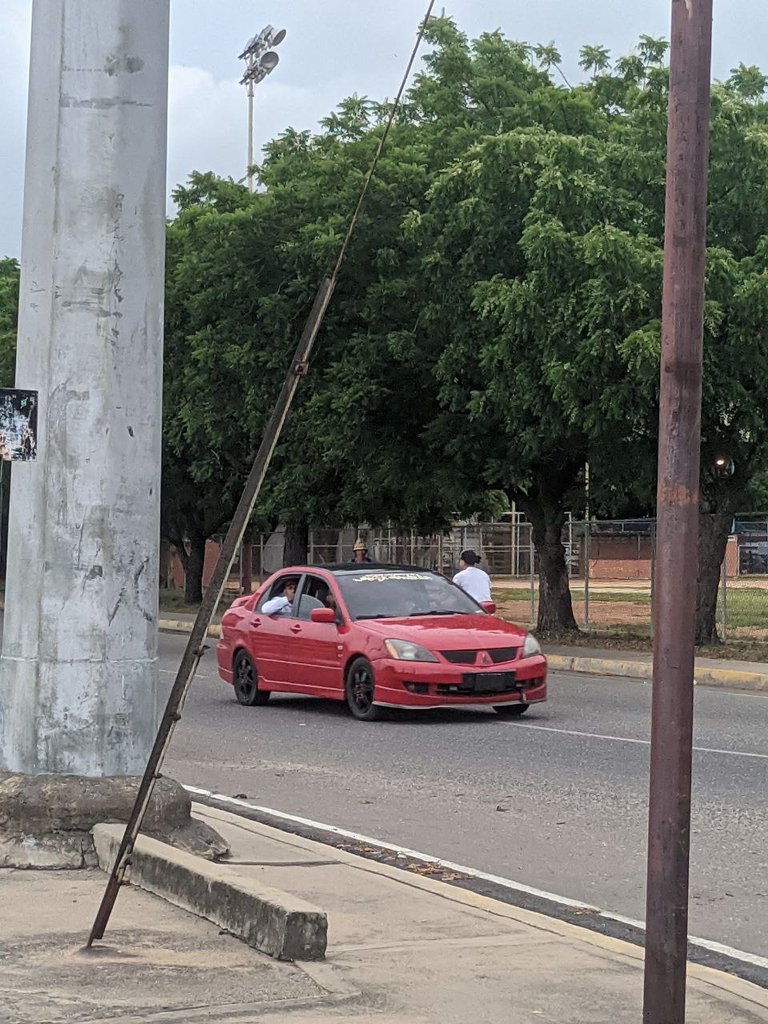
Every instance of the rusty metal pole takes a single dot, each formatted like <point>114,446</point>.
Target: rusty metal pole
<point>677,506</point>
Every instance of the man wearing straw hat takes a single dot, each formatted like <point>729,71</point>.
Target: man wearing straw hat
<point>360,552</point>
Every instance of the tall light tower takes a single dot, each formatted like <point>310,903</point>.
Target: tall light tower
<point>260,60</point>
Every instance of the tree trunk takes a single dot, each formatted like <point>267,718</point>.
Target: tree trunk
<point>555,607</point>
<point>296,545</point>
<point>192,560</point>
<point>713,540</point>
<point>165,564</point>
<point>246,568</point>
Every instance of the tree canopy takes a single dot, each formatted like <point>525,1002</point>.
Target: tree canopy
<point>9,314</point>
<point>496,323</point>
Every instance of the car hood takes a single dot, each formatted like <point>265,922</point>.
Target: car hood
<point>449,632</point>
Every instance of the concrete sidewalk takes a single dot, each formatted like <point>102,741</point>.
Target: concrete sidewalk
<point>403,949</point>
<point>735,675</point>
<point>730,674</point>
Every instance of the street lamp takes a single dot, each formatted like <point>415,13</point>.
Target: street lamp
<point>260,61</point>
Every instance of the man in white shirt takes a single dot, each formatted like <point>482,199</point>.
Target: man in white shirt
<point>283,604</point>
<point>473,581</point>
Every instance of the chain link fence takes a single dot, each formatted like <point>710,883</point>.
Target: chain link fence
<point>610,565</point>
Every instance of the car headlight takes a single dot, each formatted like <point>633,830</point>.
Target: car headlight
<point>404,650</point>
<point>531,646</point>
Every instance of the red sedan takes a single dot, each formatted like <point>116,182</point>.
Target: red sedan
<point>377,636</point>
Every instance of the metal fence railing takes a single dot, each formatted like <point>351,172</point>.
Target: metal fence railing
<point>610,565</point>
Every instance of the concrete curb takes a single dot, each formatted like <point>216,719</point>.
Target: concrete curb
<point>541,923</point>
<point>282,926</point>
<point>705,675</point>
<point>184,626</point>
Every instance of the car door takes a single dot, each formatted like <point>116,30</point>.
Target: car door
<point>273,639</point>
<point>317,651</point>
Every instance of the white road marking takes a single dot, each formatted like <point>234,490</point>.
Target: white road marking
<point>564,901</point>
<point>644,680</point>
<point>629,739</point>
<point>584,735</point>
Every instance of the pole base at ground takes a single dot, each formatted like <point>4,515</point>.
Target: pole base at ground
<point>46,820</point>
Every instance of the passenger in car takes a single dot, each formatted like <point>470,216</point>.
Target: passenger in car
<point>283,603</point>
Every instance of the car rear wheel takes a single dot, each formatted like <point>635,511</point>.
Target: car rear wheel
<point>511,710</point>
<point>359,689</point>
<point>245,680</point>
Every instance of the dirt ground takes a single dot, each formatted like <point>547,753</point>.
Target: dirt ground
<point>602,614</point>
<point>626,625</point>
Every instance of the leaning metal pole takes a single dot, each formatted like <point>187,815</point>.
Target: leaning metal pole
<point>195,649</point>
<point>677,513</point>
<point>195,645</point>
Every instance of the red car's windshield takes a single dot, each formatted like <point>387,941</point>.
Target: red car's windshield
<point>389,594</point>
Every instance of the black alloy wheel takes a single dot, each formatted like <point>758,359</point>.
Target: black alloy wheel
<point>359,688</point>
<point>245,680</point>
<point>511,710</point>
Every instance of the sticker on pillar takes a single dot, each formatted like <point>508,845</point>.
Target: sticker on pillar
<point>18,425</point>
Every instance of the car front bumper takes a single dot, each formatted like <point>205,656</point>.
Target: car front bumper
<point>425,684</point>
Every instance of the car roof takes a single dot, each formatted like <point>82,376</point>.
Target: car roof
<point>347,568</point>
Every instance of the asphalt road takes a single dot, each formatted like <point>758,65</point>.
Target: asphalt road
<point>556,800</point>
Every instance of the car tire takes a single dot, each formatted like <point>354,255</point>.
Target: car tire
<point>245,680</point>
<point>511,710</point>
<point>359,687</point>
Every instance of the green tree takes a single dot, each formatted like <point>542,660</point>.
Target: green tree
<point>242,271</point>
<point>544,252</point>
<point>220,378</point>
<point>748,82</point>
<point>595,59</point>
<point>536,254</point>
<point>9,315</point>
<point>497,321</point>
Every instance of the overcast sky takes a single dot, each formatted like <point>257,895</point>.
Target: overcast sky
<point>333,48</point>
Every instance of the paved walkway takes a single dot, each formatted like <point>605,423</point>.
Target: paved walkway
<point>402,949</point>
<point>732,674</point>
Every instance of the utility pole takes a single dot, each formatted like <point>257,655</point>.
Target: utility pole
<point>78,677</point>
<point>677,513</point>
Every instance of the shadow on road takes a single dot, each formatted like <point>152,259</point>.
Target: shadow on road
<point>417,717</point>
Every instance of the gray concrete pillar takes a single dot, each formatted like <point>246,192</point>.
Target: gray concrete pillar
<point>78,676</point>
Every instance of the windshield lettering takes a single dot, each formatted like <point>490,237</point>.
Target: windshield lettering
<point>398,595</point>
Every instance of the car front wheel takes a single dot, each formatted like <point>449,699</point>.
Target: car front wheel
<point>359,689</point>
<point>511,710</point>
<point>245,680</point>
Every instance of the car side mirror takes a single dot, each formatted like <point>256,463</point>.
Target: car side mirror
<point>323,615</point>
<point>488,606</point>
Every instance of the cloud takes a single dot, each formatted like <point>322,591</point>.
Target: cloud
<point>205,132</point>
<point>208,120</point>
<point>331,50</point>
<point>14,60</point>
